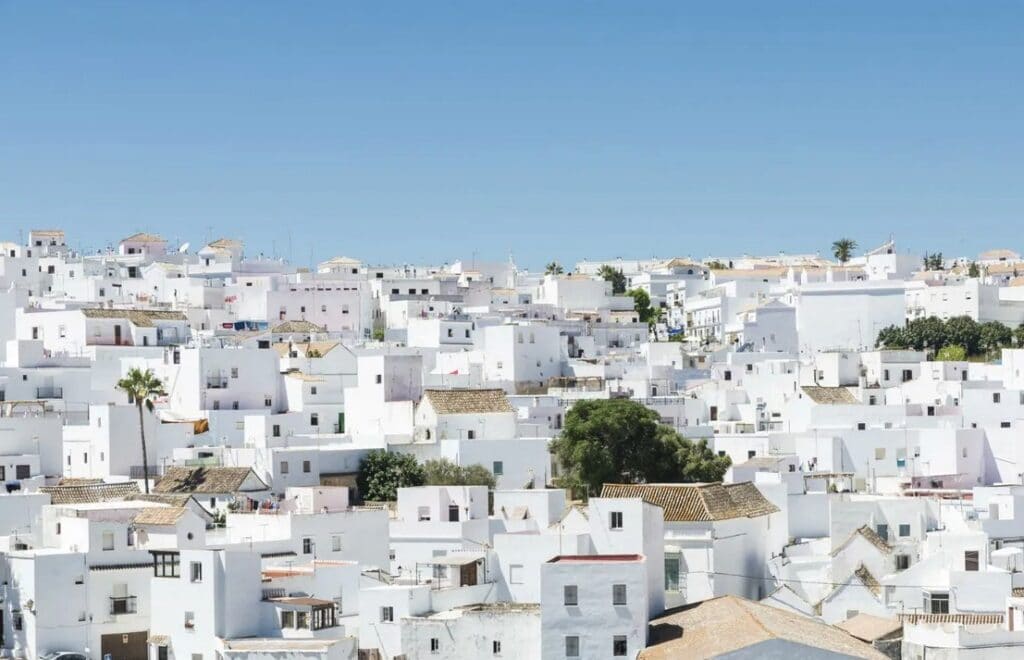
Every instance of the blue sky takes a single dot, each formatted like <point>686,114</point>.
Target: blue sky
<point>430,131</point>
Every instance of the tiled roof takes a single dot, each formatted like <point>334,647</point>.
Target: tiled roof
<point>468,402</point>
<point>868,628</point>
<point>143,237</point>
<point>78,481</point>
<point>90,493</point>
<point>202,480</point>
<point>698,502</point>
<point>297,326</point>
<point>1017,592</point>
<point>830,395</point>
<point>721,626</point>
<point>159,515</point>
<point>865,576</point>
<point>870,535</point>
<point>142,318</point>
<point>284,349</point>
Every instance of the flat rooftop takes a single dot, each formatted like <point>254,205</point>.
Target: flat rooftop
<point>591,559</point>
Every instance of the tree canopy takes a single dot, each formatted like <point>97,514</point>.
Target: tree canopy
<point>843,249</point>
<point>934,334</point>
<point>443,472</point>
<point>382,473</point>
<point>553,268</point>
<point>615,276</point>
<point>642,305</point>
<point>623,441</point>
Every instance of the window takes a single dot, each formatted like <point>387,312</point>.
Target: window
<point>672,571</point>
<point>861,426</point>
<point>129,537</point>
<point>498,468</point>
<point>165,564</point>
<point>619,645</point>
<point>284,467</point>
<point>379,379</point>
<point>904,530</point>
<point>287,619</point>
<point>276,430</point>
<point>572,646</point>
<point>615,520</point>
<point>496,647</point>
<point>108,540</point>
<point>190,620</point>
<point>335,542</point>
<point>22,472</point>
<point>996,397</point>
<point>882,530</point>
<point>267,401</point>
<point>435,645</point>
<point>307,545</point>
<point>470,434</point>
<point>423,513</point>
<point>936,603</point>
<point>902,562</point>
<point>515,574</point>
<point>570,595</point>
<point>879,453</point>
<point>387,614</point>
<point>195,571</point>
<point>312,390</point>
<point>234,372</point>
<point>314,419</point>
<point>305,466</point>
<point>971,560</point>
<point>618,594</point>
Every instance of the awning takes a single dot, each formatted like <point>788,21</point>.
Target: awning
<point>159,640</point>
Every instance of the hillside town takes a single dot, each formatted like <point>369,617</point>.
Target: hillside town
<point>209,454</point>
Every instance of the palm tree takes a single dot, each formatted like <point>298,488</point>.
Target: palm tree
<point>554,268</point>
<point>843,249</point>
<point>141,386</point>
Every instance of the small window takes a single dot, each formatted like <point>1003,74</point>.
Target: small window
<point>902,562</point>
<point>879,453</point>
<point>861,426</point>
<point>496,647</point>
<point>276,430</point>
<point>882,530</point>
<point>904,530</point>
<point>570,595</point>
<point>618,594</point>
<point>190,620</point>
<point>996,397</point>
<point>387,614</point>
<point>615,520</point>
<point>234,372</point>
<point>305,466</point>
<point>498,468</point>
<point>619,646</point>
<point>284,467</point>
<point>435,645</point>
<point>307,545</point>
<point>287,619</point>
<point>335,542</point>
<point>936,603</point>
<point>108,540</point>
<point>515,574</point>
<point>314,419</point>
<point>971,560</point>
<point>470,434</point>
<point>572,646</point>
<point>195,571</point>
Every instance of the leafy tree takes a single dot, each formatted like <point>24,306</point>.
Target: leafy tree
<point>642,305</point>
<point>1018,335</point>
<point>963,331</point>
<point>679,337</point>
<point>892,336</point>
<point>554,268</point>
<point>619,440</point>
<point>934,261</point>
<point>443,472</point>
<point>993,336</point>
<point>926,333</point>
<point>382,473</point>
<point>951,353</point>
<point>141,387</point>
<point>716,264</point>
<point>973,270</point>
<point>378,334</point>
<point>843,249</point>
<point>615,276</point>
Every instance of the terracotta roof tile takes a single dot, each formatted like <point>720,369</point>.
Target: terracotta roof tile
<point>468,402</point>
<point>202,480</point>
<point>698,502</point>
<point>159,515</point>
<point>90,493</point>
<point>830,395</point>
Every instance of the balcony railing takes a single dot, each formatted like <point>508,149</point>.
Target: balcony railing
<point>122,605</point>
<point>50,392</point>
<point>216,382</point>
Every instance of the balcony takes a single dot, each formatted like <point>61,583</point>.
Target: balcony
<point>122,605</point>
<point>216,382</point>
<point>50,392</point>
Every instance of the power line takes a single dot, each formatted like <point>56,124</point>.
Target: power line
<point>820,582</point>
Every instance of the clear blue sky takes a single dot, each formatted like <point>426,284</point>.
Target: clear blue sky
<point>423,131</point>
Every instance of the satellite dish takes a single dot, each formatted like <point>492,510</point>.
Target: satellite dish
<point>184,248</point>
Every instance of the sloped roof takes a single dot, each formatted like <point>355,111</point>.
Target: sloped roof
<point>999,253</point>
<point>965,619</point>
<point>867,533</point>
<point>90,493</point>
<point>830,395</point>
<point>869,581</point>
<point>468,402</point>
<point>322,347</point>
<point>159,515</point>
<point>142,318</point>
<point>203,479</point>
<point>698,502</point>
<point>143,237</point>
<point>225,244</point>
<point>868,628</point>
<point>720,626</point>
<point>297,326</point>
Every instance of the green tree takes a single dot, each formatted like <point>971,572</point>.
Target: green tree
<point>141,387</point>
<point>951,353</point>
<point>443,472</point>
<point>973,270</point>
<point>378,334</point>
<point>964,331</point>
<point>843,249</point>
<point>716,264</point>
<point>1018,335</point>
<point>615,276</point>
<point>554,268</point>
<point>993,336</point>
<point>642,305</point>
<point>623,441</point>
<point>927,333</point>
<point>382,473</point>
<point>892,336</point>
